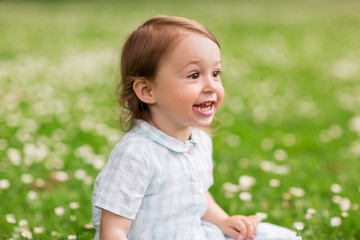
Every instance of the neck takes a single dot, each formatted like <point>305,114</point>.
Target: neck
<point>182,133</point>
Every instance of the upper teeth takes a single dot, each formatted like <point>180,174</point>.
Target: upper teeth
<point>208,103</point>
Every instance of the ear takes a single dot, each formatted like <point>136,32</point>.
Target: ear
<point>143,90</point>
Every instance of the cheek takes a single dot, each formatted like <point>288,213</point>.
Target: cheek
<point>220,95</point>
<point>185,93</point>
<point>178,96</point>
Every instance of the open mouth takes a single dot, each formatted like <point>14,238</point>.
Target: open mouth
<point>205,108</point>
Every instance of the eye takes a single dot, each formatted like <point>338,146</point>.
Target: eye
<point>216,74</point>
<point>194,75</point>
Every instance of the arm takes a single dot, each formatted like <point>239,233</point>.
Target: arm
<point>214,213</point>
<point>238,227</point>
<point>113,227</point>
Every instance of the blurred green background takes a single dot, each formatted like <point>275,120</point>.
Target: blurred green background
<point>289,145</point>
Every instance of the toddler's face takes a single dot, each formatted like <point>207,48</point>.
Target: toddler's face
<point>187,88</point>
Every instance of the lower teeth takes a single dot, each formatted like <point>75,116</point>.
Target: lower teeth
<point>203,109</point>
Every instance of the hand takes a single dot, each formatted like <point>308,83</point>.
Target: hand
<point>240,227</point>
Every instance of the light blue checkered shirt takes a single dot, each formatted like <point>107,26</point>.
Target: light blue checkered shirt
<point>158,182</point>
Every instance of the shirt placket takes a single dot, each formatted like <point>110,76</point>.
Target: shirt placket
<point>197,188</point>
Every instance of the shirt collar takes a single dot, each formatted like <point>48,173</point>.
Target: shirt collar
<point>167,141</point>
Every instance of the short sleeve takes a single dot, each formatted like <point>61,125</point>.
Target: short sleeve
<point>121,185</point>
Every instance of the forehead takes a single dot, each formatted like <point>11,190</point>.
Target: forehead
<point>195,47</point>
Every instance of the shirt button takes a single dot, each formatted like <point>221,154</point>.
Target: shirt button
<point>201,190</point>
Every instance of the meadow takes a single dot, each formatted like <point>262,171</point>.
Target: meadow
<point>288,149</point>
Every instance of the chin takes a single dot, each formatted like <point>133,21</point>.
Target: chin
<point>204,124</point>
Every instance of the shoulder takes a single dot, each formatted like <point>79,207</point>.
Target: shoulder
<point>137,146</point>
<point>133,144</point>
<point>128,158</point>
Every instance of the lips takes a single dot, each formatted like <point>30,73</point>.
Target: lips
<point>205,108</point>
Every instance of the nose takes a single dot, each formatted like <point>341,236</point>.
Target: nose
<point>211,84</point>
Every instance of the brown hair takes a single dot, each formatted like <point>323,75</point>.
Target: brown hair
<point>141,56</point>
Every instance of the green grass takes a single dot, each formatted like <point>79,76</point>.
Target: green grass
<point>291,75</point>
